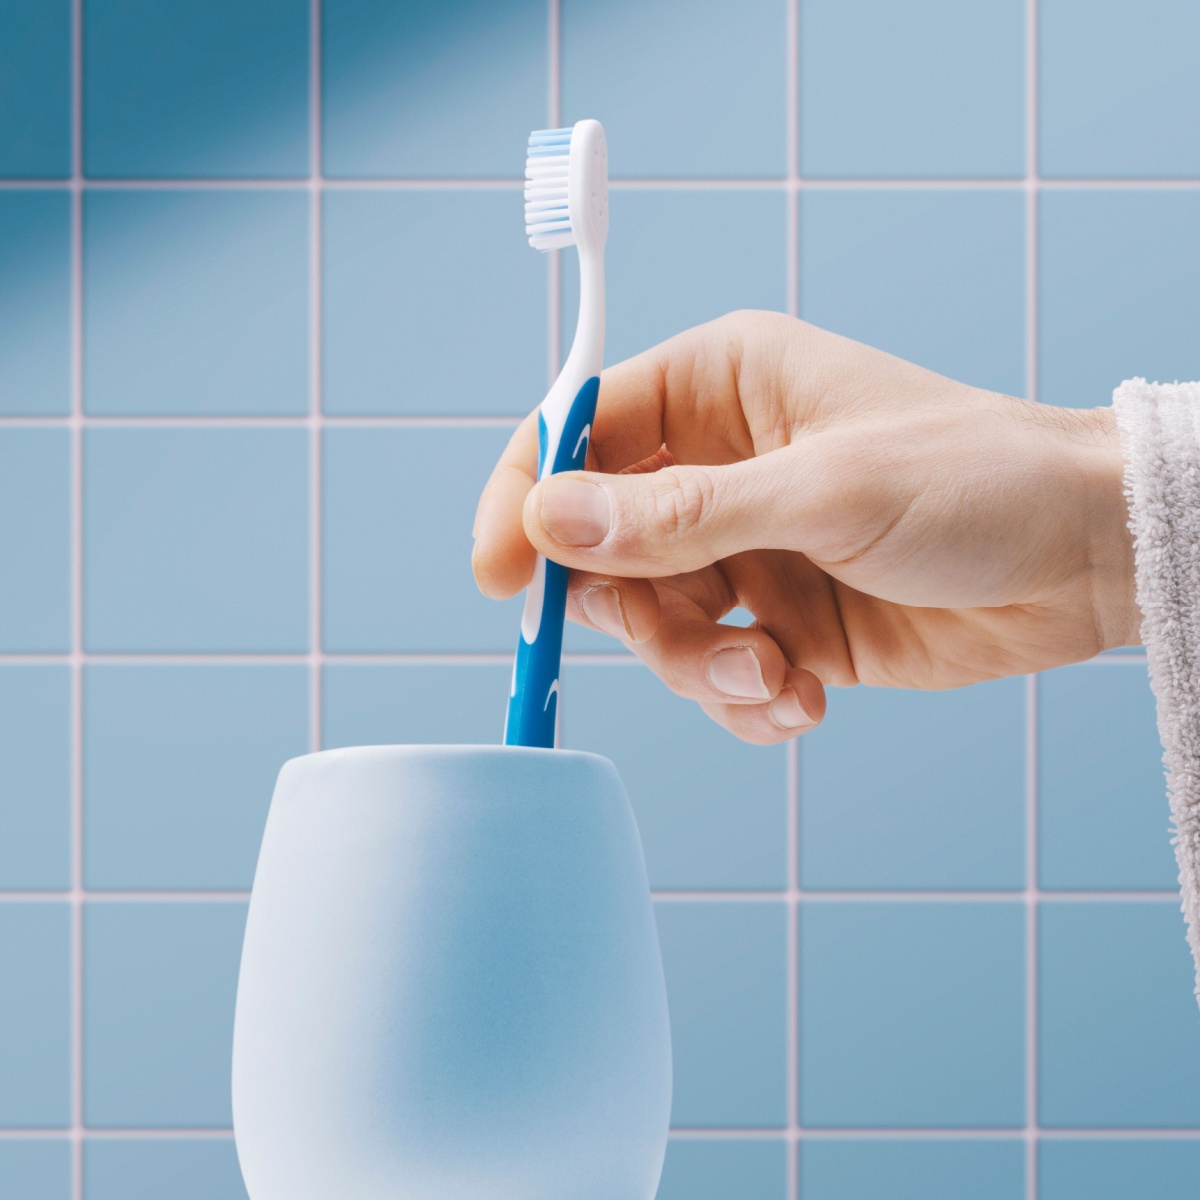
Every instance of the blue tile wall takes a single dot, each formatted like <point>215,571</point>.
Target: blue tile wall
<point>196,303</point>
<point>1119,1043</point>
<point>684,257</point>
<point>1115,290</point>
<point>931,88</point>
<point>35,1069</point>
<point>936,785</point>
<point>727,992</point>
<point>1099,753</point>
<point>158,990</point>
<point>35,1169</point>
<point>205,88</point>
<point>35,538</point>
<point>35,777</point>
<point>267,317</point>
<point>1089,128</point>
<point>396,314</point>
<point>178,767</point>
<point>35,310</point>
<point>911,1014</point>
<point>430,89</point>
<point>684,89</point>
<point>753,1168</point>
<point>368,705</point>
<point>138,1169</point>
<point>715,817</point>
<point>396,526</point>
<point>913,1170</point>
<point>1151,1169</point>
<point>934,276</point>
<point>35,88</point>
<point>196,540</point>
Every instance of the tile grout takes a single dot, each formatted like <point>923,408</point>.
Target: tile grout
<point>683,183</point>
<point>315,416</point>
<point>77,645</point>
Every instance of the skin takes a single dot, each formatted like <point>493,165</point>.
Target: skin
<point>884,525</point>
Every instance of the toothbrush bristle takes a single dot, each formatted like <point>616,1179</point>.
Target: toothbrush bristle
<point>547,219</point>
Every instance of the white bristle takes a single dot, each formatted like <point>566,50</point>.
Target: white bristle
<point>547,220</point>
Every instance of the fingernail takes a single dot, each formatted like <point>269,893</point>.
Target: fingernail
<point>575,513</point>
<point>602,606</point>
<point>736,672</point>
<point>787,712</point>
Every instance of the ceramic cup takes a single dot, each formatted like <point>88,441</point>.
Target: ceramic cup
<point>451,986</point>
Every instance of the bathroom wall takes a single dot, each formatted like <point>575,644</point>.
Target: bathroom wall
<point>267,316</point>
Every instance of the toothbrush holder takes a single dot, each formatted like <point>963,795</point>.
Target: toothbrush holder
<point>451,986</point>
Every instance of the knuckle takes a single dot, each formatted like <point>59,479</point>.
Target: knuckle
<point>681,502</point>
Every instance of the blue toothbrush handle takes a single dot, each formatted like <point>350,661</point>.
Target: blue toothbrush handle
<point>533,702</point>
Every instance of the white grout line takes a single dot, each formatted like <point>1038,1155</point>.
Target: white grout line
<point>796,895</point>
<point>730,183</point>
<point>1032,1131</point>
<point>795,1131</point>
<point>315,419</point>
<point>297,421</point>
<point>77,648</point>
<point>1032,896</point>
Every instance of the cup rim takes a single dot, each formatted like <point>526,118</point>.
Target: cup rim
<point>401,751</point>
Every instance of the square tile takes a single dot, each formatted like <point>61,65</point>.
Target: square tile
<point>35,1015</point>
<point>202,88</point>
<point>912,1014</point>
<point>1117,295</point>
<point>1119,1045</point>
<point>1087,127</point>
<point>1103,816</point>
<point>369,704</point>
<point>929,88</point>
<point>419,321</point>
<point>35,299</point>
<point>179,766</point>
<point>716,1169</point>
<point>196,302</point>
<point>394,580</point>
<point>196,540</point>
<point>159,984</point>
<point>934,276</point>
<point>712,810</point>
<point>35,777</point>
<point>685,88</point>
<point>1150,1169</point>
<point>891,1169</point>
<point>35,540</point>
<point>35,89</point>
<point>917,790</point>
<point>679,258</point>
<point>727,991</point>
<point>141,1169</point>
<point>429,89</point>
<point>35,1169</point>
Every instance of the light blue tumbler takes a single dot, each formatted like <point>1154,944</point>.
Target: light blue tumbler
<point>451,986</point>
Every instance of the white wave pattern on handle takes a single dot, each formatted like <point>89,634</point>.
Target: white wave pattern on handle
<point>550,696</point>
<point>583,440</point>
<point>531,616</point>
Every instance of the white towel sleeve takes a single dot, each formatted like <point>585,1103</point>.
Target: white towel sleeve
<point>1160,436</point>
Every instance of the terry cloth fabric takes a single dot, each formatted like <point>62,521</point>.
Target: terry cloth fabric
<point>1160,437</point>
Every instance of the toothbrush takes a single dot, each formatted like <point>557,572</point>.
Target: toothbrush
<point>566,203</point>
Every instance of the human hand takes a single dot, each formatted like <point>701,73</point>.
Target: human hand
<point>883,524</point>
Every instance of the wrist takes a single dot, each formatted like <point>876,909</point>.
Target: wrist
<point>1110,542</point>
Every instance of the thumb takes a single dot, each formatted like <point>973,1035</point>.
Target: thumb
<point>668,522</point>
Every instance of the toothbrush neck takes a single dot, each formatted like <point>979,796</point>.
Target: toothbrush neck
<point>587,350</point>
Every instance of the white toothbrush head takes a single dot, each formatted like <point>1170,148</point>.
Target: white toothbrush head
<point>566,187</point>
